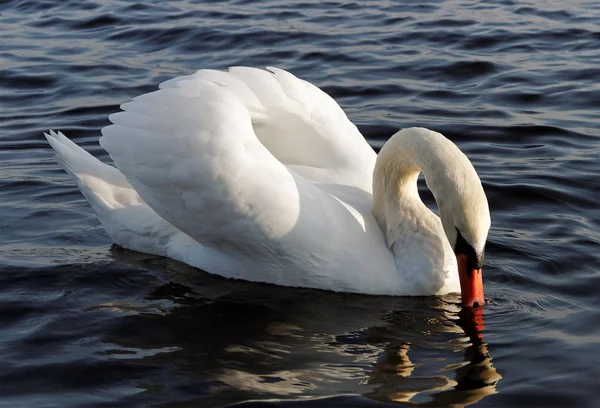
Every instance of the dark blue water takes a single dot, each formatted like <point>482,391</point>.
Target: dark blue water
<point>513,83</point>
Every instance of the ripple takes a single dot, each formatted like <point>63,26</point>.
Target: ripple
<point>512,83</point>
<point>97,22</point>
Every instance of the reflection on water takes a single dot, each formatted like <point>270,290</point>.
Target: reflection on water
<point>472,381</point>
<point>239,341</point>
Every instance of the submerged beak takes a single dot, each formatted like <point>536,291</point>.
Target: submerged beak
<point>471,283</point>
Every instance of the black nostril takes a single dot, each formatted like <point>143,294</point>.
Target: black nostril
<point>475,304</point>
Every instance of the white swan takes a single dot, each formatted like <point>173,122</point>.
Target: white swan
<point>259,175</point>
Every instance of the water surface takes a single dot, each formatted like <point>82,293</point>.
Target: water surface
<point>513,83</point>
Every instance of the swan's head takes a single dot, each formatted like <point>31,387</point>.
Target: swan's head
<point>465,216</point>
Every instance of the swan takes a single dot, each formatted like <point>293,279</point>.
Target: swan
<point>259,175</point>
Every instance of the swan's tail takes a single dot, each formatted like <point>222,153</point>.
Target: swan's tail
<point>104,186</point>
<point>127,219</point>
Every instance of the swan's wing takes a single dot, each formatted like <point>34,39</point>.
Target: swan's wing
<point>298,123</point>
<point>192,155</point>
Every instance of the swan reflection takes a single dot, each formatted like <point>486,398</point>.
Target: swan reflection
<point>398,380</point>
<point>240,341</point>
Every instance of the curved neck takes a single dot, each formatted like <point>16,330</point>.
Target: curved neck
<point>421,242</point>
<point>396,202</point>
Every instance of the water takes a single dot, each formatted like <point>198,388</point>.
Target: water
<point>513,83</point>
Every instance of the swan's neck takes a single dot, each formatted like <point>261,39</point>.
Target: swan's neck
<point>419,239</point>
<point>449,175</point>
<point>423,255</point>
<point>411,229</point>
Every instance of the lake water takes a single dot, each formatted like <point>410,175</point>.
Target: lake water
<point>514,83</point>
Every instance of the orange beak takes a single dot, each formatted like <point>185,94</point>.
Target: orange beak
<point>471,283</point>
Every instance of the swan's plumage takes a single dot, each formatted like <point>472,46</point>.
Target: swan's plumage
<point>256,175</point>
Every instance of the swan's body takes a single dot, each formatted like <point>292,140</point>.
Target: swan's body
<point>260,176</point>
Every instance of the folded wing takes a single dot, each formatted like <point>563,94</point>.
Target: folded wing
<point>192,155</point>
